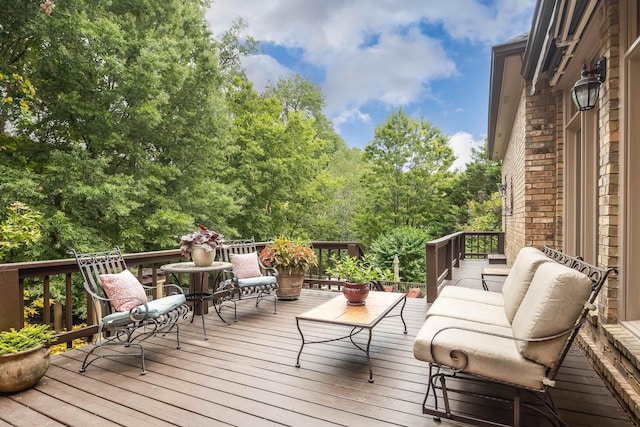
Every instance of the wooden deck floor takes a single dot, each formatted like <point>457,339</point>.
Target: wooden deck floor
<point>245,375</point>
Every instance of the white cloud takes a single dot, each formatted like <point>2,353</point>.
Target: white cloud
<point>462,143</point>
<point>263,69</point>
<point>371,53</point>
<point>395,72</point>
<point>349,116</point>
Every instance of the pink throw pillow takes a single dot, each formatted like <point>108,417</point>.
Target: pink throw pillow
<point>246,265</point>
<point>126,286</point>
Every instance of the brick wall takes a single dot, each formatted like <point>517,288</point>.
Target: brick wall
<point>540,166</point>
<point>513,177</point>
<point>609,138</point>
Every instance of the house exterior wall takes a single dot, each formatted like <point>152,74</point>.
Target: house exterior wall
<point>540,166</point>
<point>614,351</point>
<point>534,161</point>
<point>513,177</point>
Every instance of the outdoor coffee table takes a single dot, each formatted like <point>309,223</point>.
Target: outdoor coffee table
<point>337,312</point>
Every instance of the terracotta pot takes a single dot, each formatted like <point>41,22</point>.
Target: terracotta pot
<point>355,293</point>
<point>22,370</point>
<point>289,284</point>
<point>201,257</point>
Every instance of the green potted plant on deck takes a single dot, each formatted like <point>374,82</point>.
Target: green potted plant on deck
<point>292,259</point>
<point>357,274</point>
<point>24,359</point>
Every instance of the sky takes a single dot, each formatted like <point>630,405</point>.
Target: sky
<point>372,57</point>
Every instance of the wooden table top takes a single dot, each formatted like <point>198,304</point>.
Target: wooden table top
<point>337,311</point>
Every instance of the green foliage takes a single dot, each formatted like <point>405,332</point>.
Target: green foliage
<point>477,184</point>
<point>409,245</point>
<point>485,215</point>
<point>286,254</point>
<point>408,170</point>
<point>13,341</point>
<point>275,165</point>
<point>358,270</point>
<point>144,126</point>
<point>20,228</point>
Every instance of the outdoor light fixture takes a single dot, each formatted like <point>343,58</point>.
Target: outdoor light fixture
<point>585,91</point>
<point>502,190</point>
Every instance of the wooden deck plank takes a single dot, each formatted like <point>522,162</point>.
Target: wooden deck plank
<point>14,413</point>
<point>245,374</point>
<point>93,396</point>
<point>58,410</point>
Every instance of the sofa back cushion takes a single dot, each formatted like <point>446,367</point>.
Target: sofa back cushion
<point>517,282</point>
<point>553,303</point>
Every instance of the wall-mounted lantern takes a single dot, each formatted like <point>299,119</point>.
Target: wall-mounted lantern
<point>502,190</point>
<point>585,92</point>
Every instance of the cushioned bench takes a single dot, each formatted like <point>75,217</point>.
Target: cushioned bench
<point>517,337</point>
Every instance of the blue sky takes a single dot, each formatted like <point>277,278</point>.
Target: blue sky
<point>371,57</point>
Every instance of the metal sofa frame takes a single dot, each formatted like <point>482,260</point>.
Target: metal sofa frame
<point>439,373</point>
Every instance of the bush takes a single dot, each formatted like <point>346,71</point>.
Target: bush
<point>409,244</point>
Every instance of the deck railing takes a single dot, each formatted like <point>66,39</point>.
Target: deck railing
<point>14,276</point>
<point>446,252</point>
<point>441,256</point>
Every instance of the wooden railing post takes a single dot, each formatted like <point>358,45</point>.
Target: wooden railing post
<point>353,250</point>
<point>11,303</point>
<point>431,254</point>
<point>449,258</point>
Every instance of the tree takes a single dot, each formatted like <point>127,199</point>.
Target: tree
<point>409,168</point>
<point>125,143</point>
<point>275,163</point>
<point>478,183</point>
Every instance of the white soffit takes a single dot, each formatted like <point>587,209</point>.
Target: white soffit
<point>510,94</point>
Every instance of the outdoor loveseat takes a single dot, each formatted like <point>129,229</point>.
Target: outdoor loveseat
<point>516,338</point>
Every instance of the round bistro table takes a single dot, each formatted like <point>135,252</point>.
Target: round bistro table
<point>199,291</point>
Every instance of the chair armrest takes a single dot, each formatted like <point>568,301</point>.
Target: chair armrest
<point>177,288</point>
<point>459,353</point>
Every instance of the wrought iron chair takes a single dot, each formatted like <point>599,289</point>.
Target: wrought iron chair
<point>248,278</point>
<point>128,316</point>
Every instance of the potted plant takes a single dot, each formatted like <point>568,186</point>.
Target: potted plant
<point>201,245</point>
<point>292,259</point>
<point>23,357</point>
<point>357,273</point>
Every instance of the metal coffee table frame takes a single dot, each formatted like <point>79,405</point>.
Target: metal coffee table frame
<point>359,318</point>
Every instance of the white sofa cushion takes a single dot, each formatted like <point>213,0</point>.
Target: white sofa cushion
<point>517,282</point>
<point>469,310</point>
<point>488,356</point>
<point>553,303</point>
<point>471,294</point>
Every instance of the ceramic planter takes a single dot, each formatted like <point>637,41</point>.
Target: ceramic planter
<point>22,370</point>
<point>201,257</point>
<point>289,284</point>
<point>355,293</point>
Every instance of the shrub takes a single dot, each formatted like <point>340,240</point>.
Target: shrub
<point>409,244</point>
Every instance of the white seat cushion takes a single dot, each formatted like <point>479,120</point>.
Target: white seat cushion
<point>470,294</point>
<point>489,356</point>
<point>469,310</point>
<point>553,304</point>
